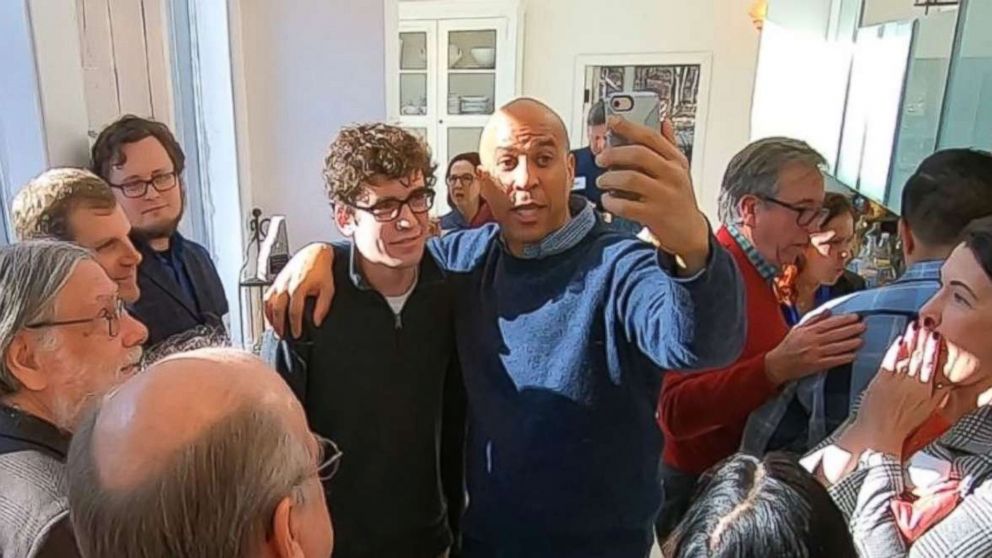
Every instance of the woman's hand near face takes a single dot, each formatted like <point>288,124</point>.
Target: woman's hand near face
<point>907,390</point>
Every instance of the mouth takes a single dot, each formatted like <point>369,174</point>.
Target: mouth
<point>406,241</point>
<point>131,368</point>
<point>154,209</point>
<point>527,212</point>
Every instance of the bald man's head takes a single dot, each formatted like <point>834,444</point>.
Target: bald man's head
<point>525,149</point>
<point>180,398</point>
<point>202,443</point>
<point>520,109</point>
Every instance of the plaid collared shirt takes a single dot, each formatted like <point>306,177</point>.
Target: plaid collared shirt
<point>865,495</point>
<point>886,311</point>
<point>767,271</point>
<point>582,221</point>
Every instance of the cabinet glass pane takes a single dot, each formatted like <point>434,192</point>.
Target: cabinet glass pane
<point>462,140</point>
<point>413,94</point>
<point>471,93</point>
<point>413,51</point>
<point>472,50</point>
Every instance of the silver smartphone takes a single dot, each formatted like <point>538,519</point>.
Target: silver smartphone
<point>643,107</point>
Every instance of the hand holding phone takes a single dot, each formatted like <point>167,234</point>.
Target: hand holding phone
<point>642,107</point>
<point>653,175</point>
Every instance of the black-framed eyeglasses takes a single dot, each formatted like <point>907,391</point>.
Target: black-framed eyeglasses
<point>328,458</point>
<point>112,314</point>
<point>138,188</point>
<point>464,179</point>
<point>805,216</point>
<point>384,211</point>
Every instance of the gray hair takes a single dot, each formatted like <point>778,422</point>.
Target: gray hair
<point>214,497</point>
<point>199,337</point>
<point>755,171</point>
<point>31,276</point>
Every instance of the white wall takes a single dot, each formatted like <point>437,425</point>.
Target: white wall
<point>310,66</point>
<point>559,30</point>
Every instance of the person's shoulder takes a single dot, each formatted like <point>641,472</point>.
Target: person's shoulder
<point>451,221</point>
<point>197,250</point>
<point>461,250</point>
<point>33,485</point>
<point>896,298</point>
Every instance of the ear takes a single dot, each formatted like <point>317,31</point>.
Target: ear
<point>21,360</point>
<point>747,207</point>
<point>570,167</point>
<point>283,543</point>
<point>906,234</point>
<point>344,218</point>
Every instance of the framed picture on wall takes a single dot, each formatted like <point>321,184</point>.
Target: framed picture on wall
<point>681,81</point>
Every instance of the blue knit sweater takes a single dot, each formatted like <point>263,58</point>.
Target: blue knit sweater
<point>563,359</point>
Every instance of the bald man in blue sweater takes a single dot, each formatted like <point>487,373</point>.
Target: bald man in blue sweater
<point>564,329</point>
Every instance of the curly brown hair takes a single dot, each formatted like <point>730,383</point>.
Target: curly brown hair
<point>366,153</point>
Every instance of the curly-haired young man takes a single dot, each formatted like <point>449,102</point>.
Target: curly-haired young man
<point>380,375</point>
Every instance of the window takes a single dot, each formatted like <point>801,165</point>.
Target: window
<point>204,114</point>
<point>680,80</point>
<point>5,232</point>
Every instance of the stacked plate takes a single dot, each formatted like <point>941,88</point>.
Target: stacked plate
<point>475,105</point>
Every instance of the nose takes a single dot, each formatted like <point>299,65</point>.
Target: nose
<point>406,218</point>
<point>151,193</point>
<point>930,313</point>
<point>524,177</point>
<point>133,332</point>
<point>132,257</point>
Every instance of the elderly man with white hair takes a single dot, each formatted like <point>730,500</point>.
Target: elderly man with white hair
<point>64,337</point>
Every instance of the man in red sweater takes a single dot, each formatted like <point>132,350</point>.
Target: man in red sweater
<point>770,201</point>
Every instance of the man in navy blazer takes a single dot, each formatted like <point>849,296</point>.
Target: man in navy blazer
<point>180,288</point>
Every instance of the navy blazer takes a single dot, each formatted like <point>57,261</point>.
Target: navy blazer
<point>164,308</point>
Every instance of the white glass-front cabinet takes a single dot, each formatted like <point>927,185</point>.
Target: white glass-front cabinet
<point>452,74</point>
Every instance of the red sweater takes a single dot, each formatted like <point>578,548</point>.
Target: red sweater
<point>702,415</point>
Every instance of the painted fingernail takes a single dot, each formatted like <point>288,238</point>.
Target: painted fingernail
<point>928,322</point>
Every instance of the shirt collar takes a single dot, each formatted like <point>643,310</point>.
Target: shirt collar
<point>923,271</point>
<point>354,271</point>
<point>767,271</point>
<point>582,221</point>
<point>20,425</point>
<point>176,245</point>
<point>427,273</point>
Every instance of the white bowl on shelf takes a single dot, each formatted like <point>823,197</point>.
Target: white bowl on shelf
<point>484,56</point>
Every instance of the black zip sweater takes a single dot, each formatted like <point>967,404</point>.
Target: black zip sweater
<point>388,390</point>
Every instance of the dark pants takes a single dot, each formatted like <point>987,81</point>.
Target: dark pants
<point>677,490</point>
